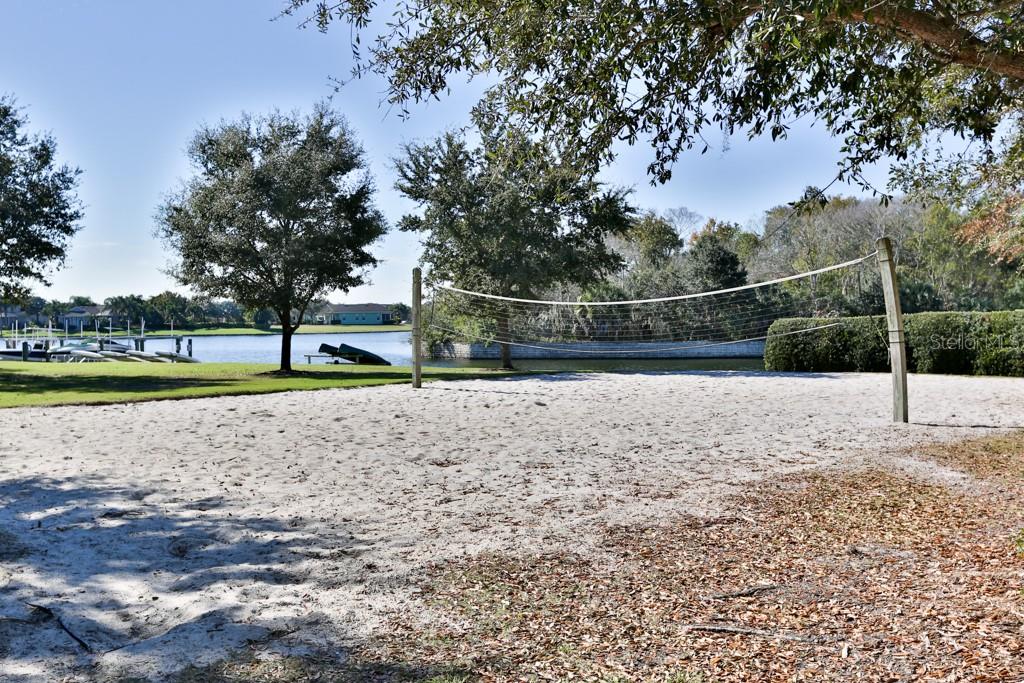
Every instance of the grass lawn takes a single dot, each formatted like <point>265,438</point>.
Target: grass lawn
<point>334,329</point>
<point>303,329</point>
<point>48,384</point>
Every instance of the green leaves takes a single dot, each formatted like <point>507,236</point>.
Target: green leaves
<point>881,76</point>
<point>280,212</point>
<point>508,217</point>
<point>39,210</point>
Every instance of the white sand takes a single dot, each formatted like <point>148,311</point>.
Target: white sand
<point>170,532</point>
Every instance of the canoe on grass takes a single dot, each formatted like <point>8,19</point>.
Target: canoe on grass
<point>124,357</point>
<point>117,355</point>
<point>177,357</point>
<point>351,353</point>
<point>147,356</point>
<point>83,355</point>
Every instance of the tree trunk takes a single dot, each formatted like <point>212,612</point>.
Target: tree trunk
<point>506,350</point>
<point>506,357</point>
<point>286,346</point>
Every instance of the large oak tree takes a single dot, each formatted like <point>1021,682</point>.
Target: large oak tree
<point>279,213</point>
<point>506,217</point>
<point>39,210</point>
<point>891,78</point>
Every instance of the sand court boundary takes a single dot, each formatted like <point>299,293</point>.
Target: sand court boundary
<point>170,533</point>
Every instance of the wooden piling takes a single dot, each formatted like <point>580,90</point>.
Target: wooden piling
<point>894,323</point>
<point>417,333</point>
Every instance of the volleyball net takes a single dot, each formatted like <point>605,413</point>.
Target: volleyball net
<point>666,325</point>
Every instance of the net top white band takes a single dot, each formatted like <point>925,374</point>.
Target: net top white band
<point>659,348</point>
<point>665,298</point>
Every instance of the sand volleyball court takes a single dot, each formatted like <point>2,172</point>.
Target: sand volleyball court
<point>136,539</point>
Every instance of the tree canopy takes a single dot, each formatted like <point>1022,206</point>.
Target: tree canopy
<point>938,270</point>
<point>171,307</point>
<point>712,262</point>
<point>505,217</point>
<point>279,213</point>
<point>889,78</point>
<point>130,307</point>
<point>81,300</point>
<point>652,239</point>
<point>39,210</point>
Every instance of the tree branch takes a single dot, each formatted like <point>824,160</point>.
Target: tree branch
<point>962,46</point>
<point>957,42</point>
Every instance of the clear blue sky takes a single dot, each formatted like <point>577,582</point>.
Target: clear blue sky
<point>122,84</point>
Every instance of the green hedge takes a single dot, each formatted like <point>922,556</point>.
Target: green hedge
<point>945,343</point>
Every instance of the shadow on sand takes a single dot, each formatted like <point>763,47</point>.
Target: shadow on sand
<point>126,582</point>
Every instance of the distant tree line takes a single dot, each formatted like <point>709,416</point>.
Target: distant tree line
<point>678,253</point>
<point>939,268</point>
<point>161,310</point>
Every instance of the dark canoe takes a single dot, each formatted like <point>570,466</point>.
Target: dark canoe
<point>351,353</point>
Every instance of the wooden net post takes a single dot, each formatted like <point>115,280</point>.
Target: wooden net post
<point>894,323</point>
<point>417,332</point>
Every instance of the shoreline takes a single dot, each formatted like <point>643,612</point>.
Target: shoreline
<point>231,332</point>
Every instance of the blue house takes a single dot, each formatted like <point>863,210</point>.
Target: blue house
<point>353,313</point>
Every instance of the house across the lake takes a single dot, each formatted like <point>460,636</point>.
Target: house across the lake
<point>75,318</point>
<point>15,315</point>
<point>87,316</point>
<point>353,314</point>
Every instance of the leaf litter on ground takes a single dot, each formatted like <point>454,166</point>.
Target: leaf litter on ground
<point>840,575</point>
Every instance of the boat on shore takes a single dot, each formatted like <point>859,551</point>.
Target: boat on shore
<point>118,355</point>
<point>86,345</point>
<point>85,351</point>
<point>36,351</point>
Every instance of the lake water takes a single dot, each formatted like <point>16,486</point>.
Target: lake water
<point>397,348</point>
<point>266,348</point>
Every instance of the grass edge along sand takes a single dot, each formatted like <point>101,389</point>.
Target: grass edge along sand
<point>53,384</point>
